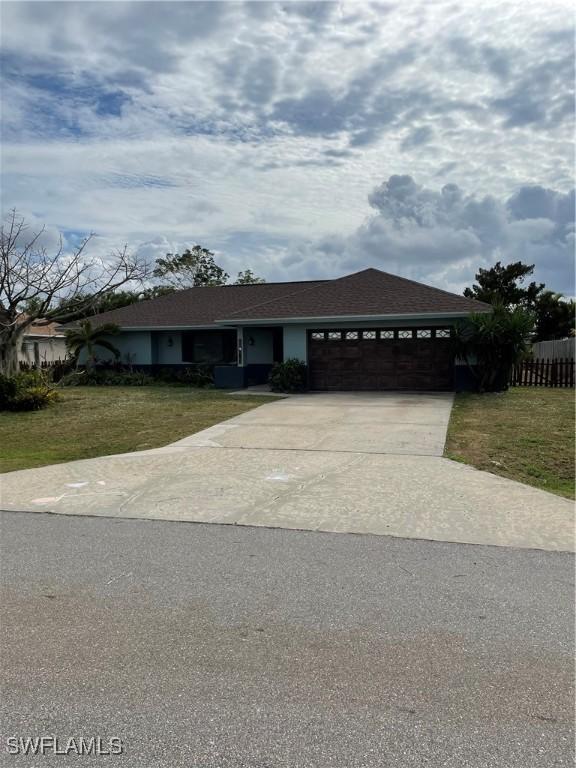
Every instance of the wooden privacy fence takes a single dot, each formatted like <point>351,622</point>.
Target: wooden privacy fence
<point>45,365</point>
<point>543,373</point>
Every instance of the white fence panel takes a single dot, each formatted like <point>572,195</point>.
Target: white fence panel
<point>556,349</point>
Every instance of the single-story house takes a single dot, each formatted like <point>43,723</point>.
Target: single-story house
<point>366,331</point>
<point>44,342</point>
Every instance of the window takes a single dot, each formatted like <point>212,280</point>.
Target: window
<point>423,333</point>
<point>209,347</point>
<point>386,334</point>
<point>351,335</point>
<point>318,336</point>
<point>442,333</point>
<point>404,334</point>
<point>334,335</point>
<point>369,335</point>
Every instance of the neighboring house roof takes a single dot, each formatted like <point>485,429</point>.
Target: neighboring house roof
<point>41,329</point>
<point>362,294</point>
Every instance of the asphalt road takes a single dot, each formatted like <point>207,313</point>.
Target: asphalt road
<point>209,645</point>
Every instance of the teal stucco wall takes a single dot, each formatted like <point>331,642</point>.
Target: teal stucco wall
<point>167,348</point>
<point>134,346</point>
<point>261,351</point>
<point>295,342</point>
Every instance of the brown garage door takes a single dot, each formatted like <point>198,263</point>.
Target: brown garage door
<point>374,359</point>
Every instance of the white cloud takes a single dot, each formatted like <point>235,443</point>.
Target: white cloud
<point>260,128</point>
<point>445,235</point>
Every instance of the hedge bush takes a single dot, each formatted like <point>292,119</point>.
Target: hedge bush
<point>196,376</point>
<point>289,376</point>
<point>124,377</point>
<point>107,378</point>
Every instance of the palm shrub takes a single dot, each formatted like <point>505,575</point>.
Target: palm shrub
<point>28,391</point>
<point>491,344</point>
<point>84,337</point>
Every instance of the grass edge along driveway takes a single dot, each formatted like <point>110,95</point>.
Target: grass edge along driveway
<point>525,434</point>
<point>99,421</point>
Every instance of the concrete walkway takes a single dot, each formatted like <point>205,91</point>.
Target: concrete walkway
<point>360,463</point>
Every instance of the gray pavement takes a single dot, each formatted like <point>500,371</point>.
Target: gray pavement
<point>225,647</point>
<point>363,422</point>
<point>359,463</point>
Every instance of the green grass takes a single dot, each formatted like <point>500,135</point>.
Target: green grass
<point>526,434</point>
<point>98,421</point>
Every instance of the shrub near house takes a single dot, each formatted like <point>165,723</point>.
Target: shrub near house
<point>118,375</point>
<point>492,344</point>
<point>289,376</point>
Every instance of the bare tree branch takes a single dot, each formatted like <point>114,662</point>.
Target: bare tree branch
<point>34,282</point>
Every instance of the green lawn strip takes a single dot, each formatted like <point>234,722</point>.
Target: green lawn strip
<point>99,421</point>
<point>525,434</point>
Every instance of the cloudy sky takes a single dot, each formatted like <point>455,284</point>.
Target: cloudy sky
<point>298,139</point>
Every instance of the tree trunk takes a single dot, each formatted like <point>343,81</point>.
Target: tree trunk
<point>10,340</point>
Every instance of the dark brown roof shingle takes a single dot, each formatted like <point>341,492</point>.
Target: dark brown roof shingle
<point>197,306</point>
<point>370,292</point>
<point>365,293</point>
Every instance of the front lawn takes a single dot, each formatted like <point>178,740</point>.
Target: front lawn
<point>97,421</point>
<point>526,434</point>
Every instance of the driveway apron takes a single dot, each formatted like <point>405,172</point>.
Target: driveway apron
<point>366,463</point>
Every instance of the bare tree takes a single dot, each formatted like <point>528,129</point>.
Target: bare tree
<point>36,280</point>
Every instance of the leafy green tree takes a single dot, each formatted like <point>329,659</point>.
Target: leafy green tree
<point>87,337</point>
<point>156,292</point>
<point>193,268</point>
<point>492,343</point>
<point>554,316</point>
<point>504,285</point>
<point>248,278</point>
<point>88,305</point>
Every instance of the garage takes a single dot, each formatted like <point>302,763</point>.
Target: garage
<point>381,359</point>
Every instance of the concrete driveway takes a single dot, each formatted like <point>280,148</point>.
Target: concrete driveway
<point>382,422</point>
<point>361,463</point>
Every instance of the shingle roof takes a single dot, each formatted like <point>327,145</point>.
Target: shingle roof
<point>41,327</point>
<point>370,292</point>
<point>197,306</point>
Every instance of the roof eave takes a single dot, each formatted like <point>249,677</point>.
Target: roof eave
<point>149,327</point>
<point>349,318</point>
